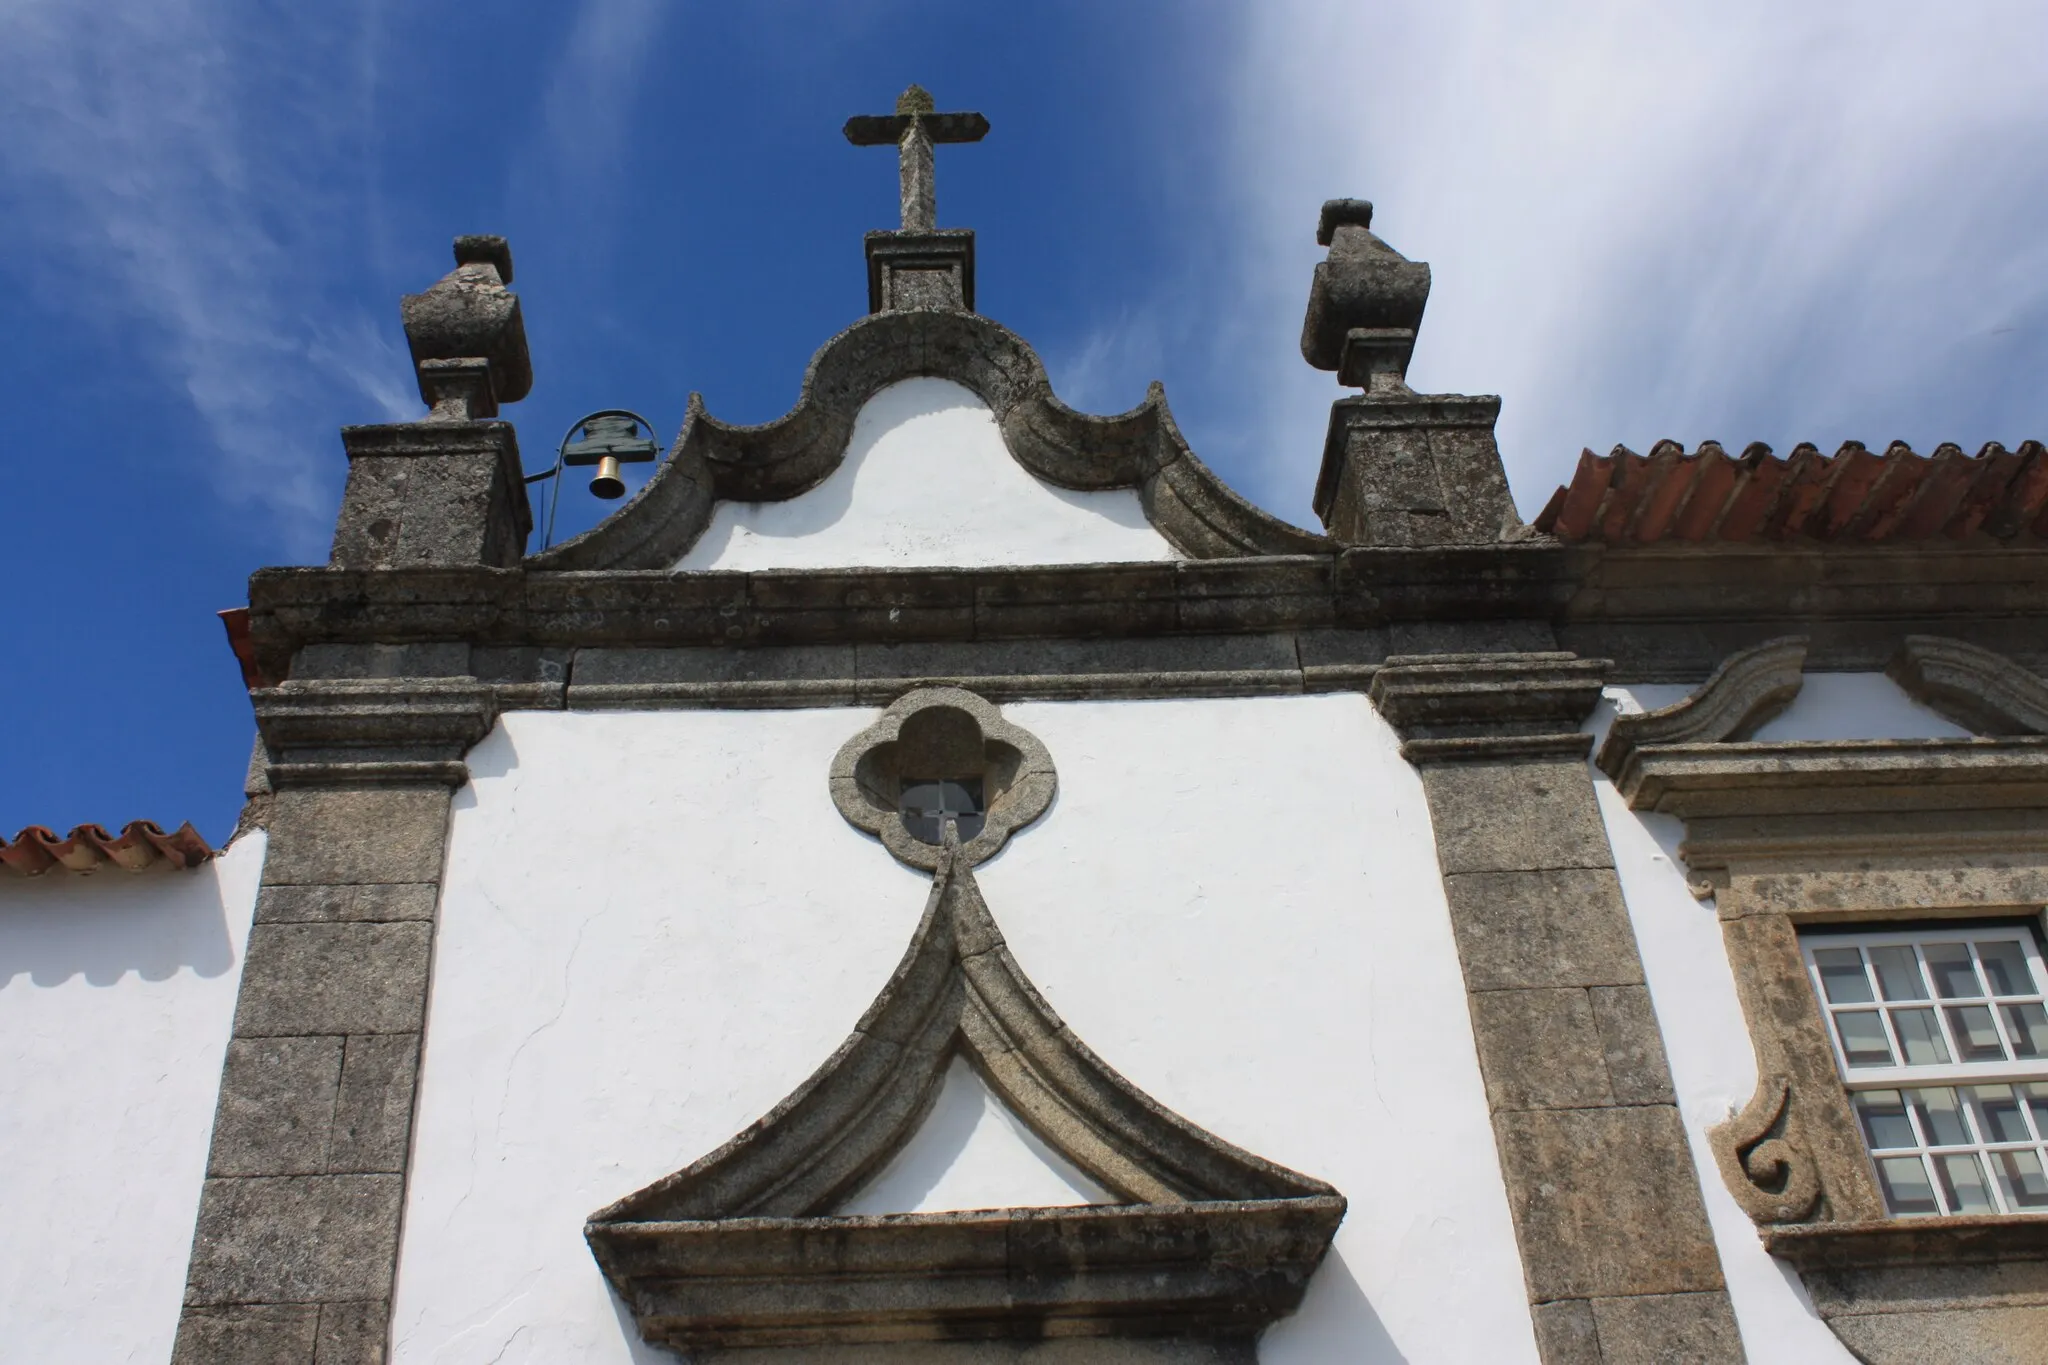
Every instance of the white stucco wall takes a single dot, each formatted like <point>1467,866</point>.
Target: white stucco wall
<point>1686,964</point>
<point>656,924</point>
<point>927,480</point>
<point>117,991</point>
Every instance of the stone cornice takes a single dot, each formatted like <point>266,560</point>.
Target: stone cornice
<point>1911,1243</point>
<point>372,731</point>
<point>1453,708</point>
<point>1813,777</point>
<point>1669,616</point>
<point>1222,1269</point>
<point>294,607</point>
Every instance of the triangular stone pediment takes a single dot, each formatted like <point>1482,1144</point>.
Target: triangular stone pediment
<point>744,1248</point>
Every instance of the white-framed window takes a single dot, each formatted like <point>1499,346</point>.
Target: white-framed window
<point>1941,1035</point>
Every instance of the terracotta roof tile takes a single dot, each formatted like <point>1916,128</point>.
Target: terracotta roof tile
<point>87,848</point>
<point>1855,495</point>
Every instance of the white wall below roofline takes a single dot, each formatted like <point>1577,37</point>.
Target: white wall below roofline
<point>117,993</point>
<point>928,481</point>
<point>655,925</point>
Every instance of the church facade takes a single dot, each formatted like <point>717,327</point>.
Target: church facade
<point>939,876</point>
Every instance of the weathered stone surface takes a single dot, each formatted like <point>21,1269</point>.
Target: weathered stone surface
<point>438,659</point>
<point>295,1239</point>
<point>1495,817</point>
<point>1605,1203</point>
<point>1634,1048</point>
<point>912,270</point>
<point>1668,1329</point>
<point>1534,636</point>
<point>425,494</point>
<point>353,1333</point>
<point>1363,283</point>
<point>1558,927</point>
<point>276,1103</point>
<point>248,1334</point>
<point>1172,655</point>
<point>356,834</point>
<point>373,1107</point>
<point>470,316</point>
<point>1963,1336</point>
<point>1402,470</point>
<point>1523,703</point>
<point>1982,691</point>
<point>700,664</point>
<point>1792,1043</point>
<point>1565,1334</point>
<point>1539,1049</point>
<point>334,978</point>
<point>314,904</point>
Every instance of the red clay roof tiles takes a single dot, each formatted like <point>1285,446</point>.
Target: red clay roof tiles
<point>1855,495</point>
<point>89,847</point>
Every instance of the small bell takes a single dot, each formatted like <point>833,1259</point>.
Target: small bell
<point>609,440</point>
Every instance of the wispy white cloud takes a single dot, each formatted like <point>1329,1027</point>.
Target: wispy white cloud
<point>1739,220</point>
<point>587,126</point>
<point>186,174</point>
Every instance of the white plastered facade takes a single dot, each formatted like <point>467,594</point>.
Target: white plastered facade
<point>1713,1068</point>
<point>117,991</point>
<point>928,481</point>
<point>655,925</point>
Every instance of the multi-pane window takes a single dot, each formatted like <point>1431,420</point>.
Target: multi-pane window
<point>1942,1037</point>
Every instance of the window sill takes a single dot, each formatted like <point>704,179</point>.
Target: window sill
<point>1966,1240</point>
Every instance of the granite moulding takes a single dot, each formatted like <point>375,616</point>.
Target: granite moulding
<point>741,1249</point>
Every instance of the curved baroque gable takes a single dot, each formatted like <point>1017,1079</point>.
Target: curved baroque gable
<point>713,461</point>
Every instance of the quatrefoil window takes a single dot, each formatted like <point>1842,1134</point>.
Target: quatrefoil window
<point>939,756</point>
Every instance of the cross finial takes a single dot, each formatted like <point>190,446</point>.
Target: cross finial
<point>914,128</point>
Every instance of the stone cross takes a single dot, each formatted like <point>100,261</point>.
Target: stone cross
<point>914,128</point>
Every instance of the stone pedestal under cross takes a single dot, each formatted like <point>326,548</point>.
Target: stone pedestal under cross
<point>919,266</point>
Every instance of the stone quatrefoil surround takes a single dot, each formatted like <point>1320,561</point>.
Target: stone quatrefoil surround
<point>1208,1244</point>
<point>944,732</point>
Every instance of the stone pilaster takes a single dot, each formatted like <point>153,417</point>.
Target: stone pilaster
<point>1616,1252</point>
<point>296,1248</point>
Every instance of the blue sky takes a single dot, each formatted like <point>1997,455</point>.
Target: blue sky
<point>1645,220</point>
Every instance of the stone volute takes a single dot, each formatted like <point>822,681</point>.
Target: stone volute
<point>448,489</point>
<point>1399,468</point>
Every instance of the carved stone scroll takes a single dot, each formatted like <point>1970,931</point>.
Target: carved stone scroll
<point>1979,690</point>
<point>1749,688</point>
<point>1767,1169</point>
